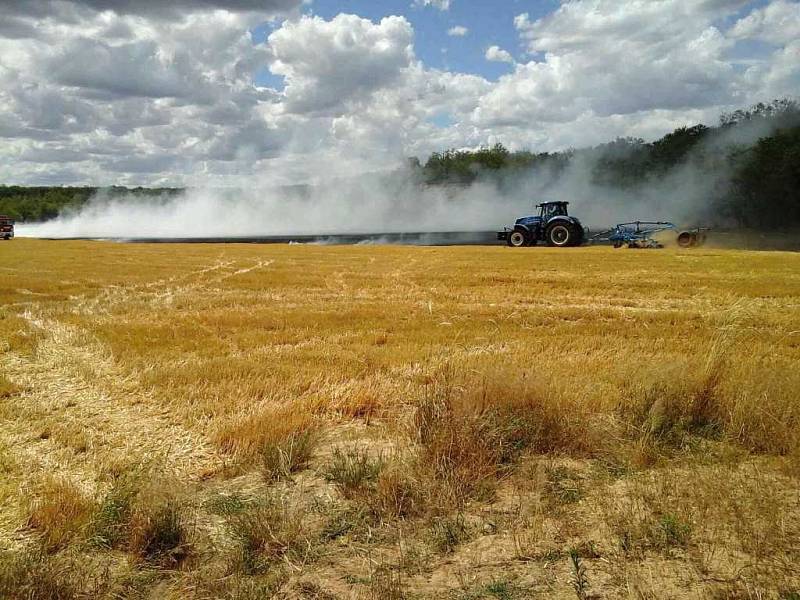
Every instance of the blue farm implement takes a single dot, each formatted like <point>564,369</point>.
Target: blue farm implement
<point>643,234</point>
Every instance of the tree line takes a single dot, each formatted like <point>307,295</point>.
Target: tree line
<point>752,156</point>
<point>36,204</point>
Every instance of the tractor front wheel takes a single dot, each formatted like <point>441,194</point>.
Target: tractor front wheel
<point>519,238</point>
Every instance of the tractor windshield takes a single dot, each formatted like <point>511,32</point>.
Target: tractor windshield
<point>553,210</point>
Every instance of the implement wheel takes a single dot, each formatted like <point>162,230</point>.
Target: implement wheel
<point>687,239</point>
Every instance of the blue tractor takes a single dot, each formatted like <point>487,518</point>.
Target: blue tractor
<point>553,225</point>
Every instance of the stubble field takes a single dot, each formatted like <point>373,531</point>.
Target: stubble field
<point>196,421</point>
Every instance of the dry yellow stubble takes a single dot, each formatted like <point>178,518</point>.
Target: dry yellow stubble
<point>627,412</point>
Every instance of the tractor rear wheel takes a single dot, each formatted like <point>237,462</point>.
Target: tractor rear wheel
<point>519,238</point>
<point>560,235</point>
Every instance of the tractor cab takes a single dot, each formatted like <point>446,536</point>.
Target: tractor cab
<point>553,209</point>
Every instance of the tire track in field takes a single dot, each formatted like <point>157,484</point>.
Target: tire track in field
<point>74,383</point>
<point>164,290</point>
<point>73,389</point>
<point>80,415</point>
<point>112,296</point>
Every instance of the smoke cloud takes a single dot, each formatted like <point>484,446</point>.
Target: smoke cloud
<point>372,204</point>
<point>380,204</point>
<point>391,203</point>
<point>398,201</point>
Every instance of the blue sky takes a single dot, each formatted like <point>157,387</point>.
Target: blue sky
<point>490,23</point>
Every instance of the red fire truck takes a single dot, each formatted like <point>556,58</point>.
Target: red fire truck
<point>6,228</point>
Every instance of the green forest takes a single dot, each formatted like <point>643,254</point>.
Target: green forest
<point>751,155</point>
<point>33,204</point>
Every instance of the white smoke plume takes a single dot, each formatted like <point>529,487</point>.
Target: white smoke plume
<point>397,201</point>
<point>371,204</point>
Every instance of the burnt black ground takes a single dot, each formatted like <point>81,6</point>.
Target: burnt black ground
<point>451,238</point>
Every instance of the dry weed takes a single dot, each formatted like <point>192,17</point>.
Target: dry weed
<point>33,574</point>
<point>397,493</point>
<point>354,469</point>
<point>472,431</point>
<point>59,513</point>
<point>274,429</point>
<point>7,388</point>
<point>272,533</point>
<point>159,532</point>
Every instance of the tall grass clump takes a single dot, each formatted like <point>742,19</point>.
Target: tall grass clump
<point>719,397</point>
<point>273,532</point>
<point>353,470</point>
<point>281,458</point>
<point>142,516</point>
<point>763,411</point>
<point>446,533</point>
<point>160,532</point>
<point>659,413</point>
<point>59,514</point>
<point>282,438</point>
<point>34,574</point>
<point>16,334</point>
<point>108,527</point>
<point>663,409</point>
<point>471,431</point>
<point>400,492</point>
<point>743,393</point>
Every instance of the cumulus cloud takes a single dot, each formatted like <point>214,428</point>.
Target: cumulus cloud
<point>590,24</point>
<point>329,65</point>
<point>458,31</point>
<point>497,54</point>
<point>144,7</point>
<point>132,69</point>
<point>136,88</point>
<point>440,4</point>
<point>149,92</point>
<point>777,23</point>
<point>608,57</point>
